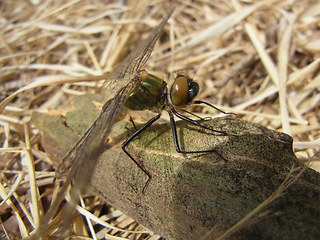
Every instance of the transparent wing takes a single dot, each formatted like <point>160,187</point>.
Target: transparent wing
<point>79,163</point>
<point>134,62</point>
<point>83,156</point>
<point>123,76</point>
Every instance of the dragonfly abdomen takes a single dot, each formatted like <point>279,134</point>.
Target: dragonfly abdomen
<point>147,94</point>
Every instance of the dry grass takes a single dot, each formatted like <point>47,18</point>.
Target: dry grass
<point>259,60</point>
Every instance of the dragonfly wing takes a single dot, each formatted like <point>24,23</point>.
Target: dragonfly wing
<point>95,135</point>
<point>78,164</point>
<point>83,157</point>
<point>123,77</point>
<point>133,63</point>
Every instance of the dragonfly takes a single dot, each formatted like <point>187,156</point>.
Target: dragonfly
<point>132,87</point>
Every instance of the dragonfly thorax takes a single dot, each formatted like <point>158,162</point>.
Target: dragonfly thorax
<point>149,93</point>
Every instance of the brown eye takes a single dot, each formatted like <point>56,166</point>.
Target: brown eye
<point>180,91</point>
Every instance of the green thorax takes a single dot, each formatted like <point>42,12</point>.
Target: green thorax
<point>148,93</point>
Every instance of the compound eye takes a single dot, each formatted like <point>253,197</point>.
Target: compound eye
<point>193,91</point>
<point>179,92</point>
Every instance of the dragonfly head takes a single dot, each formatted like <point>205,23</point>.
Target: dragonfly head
<point>183,90</point>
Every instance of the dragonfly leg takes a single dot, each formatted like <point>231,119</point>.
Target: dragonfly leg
<point>195,115</point>
<point>194,122</point>
<point>210,105</point>
<point>176,140</point>
<point>134,125</point>
<point>131,138</point>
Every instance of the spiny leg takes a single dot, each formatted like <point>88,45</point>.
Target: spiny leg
<point>134,125</point>
<point>131,138</point>
<point>195,115</point>
<point>210,105</point>
<point>194,122</point>
<point>176,140</point>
